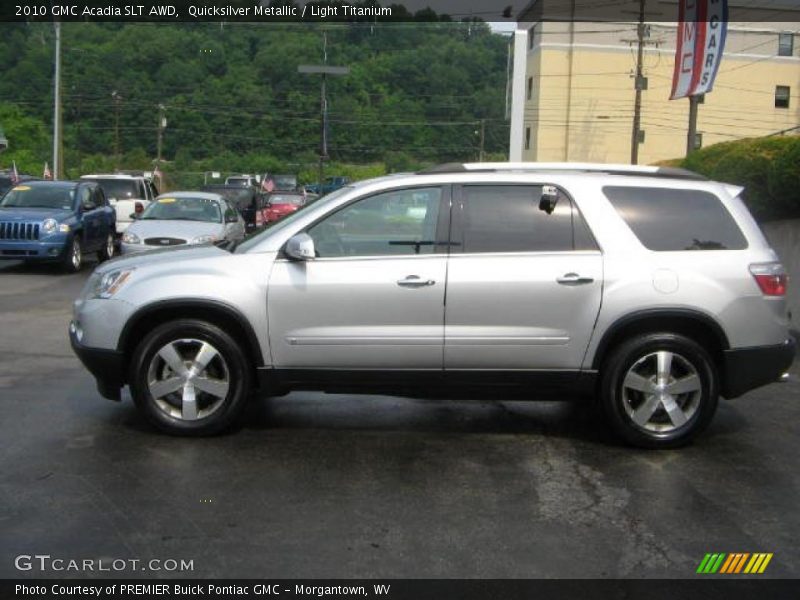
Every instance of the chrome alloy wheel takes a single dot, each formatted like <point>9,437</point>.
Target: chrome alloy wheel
<point>661,392</point>
<point>76,256</point>
<point>188,379</point>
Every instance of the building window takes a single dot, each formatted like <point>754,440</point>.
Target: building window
<point>530,88</point>
<point>527,138</point>
<point>782,96</point>
<point>785,44</point>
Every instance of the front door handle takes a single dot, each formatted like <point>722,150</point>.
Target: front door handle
<point>414,281</point>
<point>574,279</point>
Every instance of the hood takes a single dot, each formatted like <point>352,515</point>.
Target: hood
<point>160,256</point>
<point>13,213</point>
<point>283,207</point>
<point>175,229</point>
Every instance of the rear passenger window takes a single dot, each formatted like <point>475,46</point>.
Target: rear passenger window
<point>668,219</point>
<point>507,218</point>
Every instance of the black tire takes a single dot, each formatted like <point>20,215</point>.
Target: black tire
<point>109,248</point>
<point>146,367</point>
<point>690,366</point>
<point>72,259</point>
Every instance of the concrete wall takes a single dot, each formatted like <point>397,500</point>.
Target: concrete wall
<point>784,236</point>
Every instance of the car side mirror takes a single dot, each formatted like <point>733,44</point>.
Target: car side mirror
<point>300,247</point>
<point>549,199</point>
<point>231,218</point>
<point>87,206</point>
<point>133,216</point>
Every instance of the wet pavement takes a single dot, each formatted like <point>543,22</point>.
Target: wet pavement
<point>316,485</point>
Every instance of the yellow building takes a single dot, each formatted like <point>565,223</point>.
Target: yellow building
<point>572,92</point>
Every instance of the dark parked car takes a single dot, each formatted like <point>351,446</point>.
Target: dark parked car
<point>244,198</point>
<point>56,221</point>
<point>329,185</point>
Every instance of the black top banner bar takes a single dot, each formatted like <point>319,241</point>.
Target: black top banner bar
<point>372,11</point>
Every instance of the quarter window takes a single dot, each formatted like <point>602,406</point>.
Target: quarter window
<point>507,218</point>
<point>399,222</point>
<point>669,219</point>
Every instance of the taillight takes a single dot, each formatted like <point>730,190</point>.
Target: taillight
<point>771,278</point>
<point>138,207</point>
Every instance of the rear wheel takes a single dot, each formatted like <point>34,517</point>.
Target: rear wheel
<point>108,249</point>
<point>659,390</point>
<point>189,377</point>
<point>72,260</point>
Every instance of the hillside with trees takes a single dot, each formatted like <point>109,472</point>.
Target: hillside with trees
<point>417,93</point>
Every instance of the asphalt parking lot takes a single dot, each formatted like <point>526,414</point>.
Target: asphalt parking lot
<point>339,486</point>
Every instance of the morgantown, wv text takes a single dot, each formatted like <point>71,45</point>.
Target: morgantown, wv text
<point>209,590</point>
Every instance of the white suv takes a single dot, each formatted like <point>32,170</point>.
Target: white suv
<point>128,194</point>
<point>652,288</point>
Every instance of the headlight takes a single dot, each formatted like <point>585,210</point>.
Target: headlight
<point>131,238</point>
<point>110,283</point>
<point>204,239</point>
<point>49,225</point>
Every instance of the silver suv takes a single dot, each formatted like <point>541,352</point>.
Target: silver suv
<point>651,288</point>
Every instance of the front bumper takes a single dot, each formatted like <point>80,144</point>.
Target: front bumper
<point>32,250</point>
<point>107,366</point>
<point>748,368</point>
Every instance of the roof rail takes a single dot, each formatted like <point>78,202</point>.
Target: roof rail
<point>608,169</point>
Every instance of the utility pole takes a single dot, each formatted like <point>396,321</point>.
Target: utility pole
<point>162,124</point>
<point>636,135</point>
<point>323,70</point>
<point>57,106</point>
<point>691,135</point>
<point>116,99</point>
<point>483,139</point>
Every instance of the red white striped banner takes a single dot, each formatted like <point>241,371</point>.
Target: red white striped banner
<point>701,41</point>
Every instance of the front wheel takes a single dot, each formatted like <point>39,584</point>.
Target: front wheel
<point>73,256</point>
<point>659,390</point>
<point>107,251</point>
<point>189,377</point>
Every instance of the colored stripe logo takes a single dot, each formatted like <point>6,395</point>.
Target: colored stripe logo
<point>734,563</point>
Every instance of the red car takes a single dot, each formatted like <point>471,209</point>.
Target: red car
<point>278,205</point>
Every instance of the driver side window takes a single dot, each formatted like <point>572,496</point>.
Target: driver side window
<point>85,197</point>
<point>399,222</point>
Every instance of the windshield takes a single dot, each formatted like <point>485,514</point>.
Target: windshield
<point>26,196</point>
<point>256,238</point>
<point>183,209</point>
<point>285,182</point>
<point>295,199</point>
<point>121,189</point>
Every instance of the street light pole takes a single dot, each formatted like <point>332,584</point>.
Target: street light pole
<point>162,123</point>
<point>323,70</point>
<point>57,106</point>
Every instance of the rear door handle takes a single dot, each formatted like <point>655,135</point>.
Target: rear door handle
<point>414,281</point>
<point>574,279</point>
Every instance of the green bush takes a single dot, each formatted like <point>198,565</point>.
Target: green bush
<point>769,169</point>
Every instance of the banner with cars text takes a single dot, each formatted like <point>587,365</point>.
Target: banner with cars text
<point>375,11</point>
<point>702,28</point>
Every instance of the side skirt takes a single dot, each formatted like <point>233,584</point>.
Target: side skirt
<point>509,385</point>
